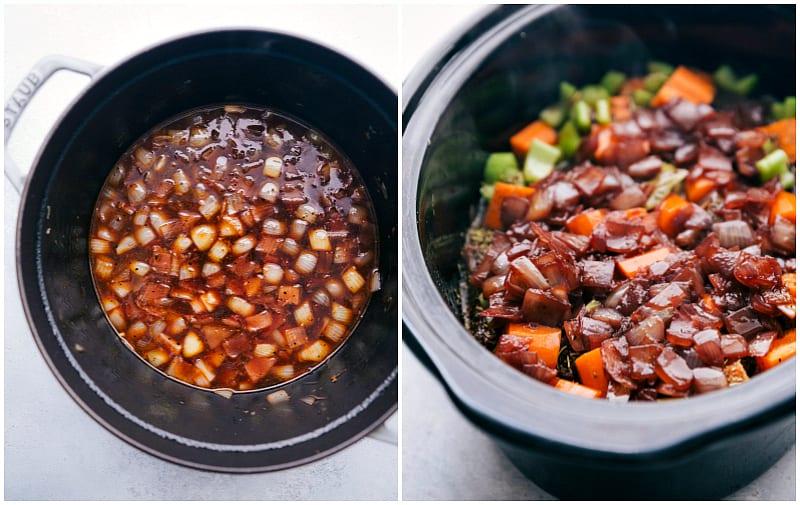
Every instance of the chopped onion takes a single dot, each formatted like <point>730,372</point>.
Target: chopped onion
<point>230,226</point>
<point>241,306</point>
<point>269,192</point>
<point>99,246</point>
<point>303,314</point>
<point>139,268</point>
<point>341,313</point>
<point>218,251</point>
<point>295,337</point>
<point>273,273</point>
<point>210,269</point>
<point>708,379</point>
<point>290,246</point>
<point>187,271</point>
<point>192,345</point>
<point>306,262</point>
<point>284,372</point>
<point>274,227</point>
<point>181,244</point>
<point>199,137</point>
<point>157,356</point>
<point>335,288</point>
<point>307,212</point>
<point>273,166</point>
<point>120,287</point>
<point>210,299</point>
<point>205,369</point>
<point>103,267</point>
<point>182,184</point>
<point>734,233</point>
<point>297,229</point>
<point>264,350</point>
<point>375,281</point>
<point>136,192</point>
<point>203,236</point>
<point>144,157</point>
<point>319,240</point>
<point>135,330</point>
<point>177,325</point>
<point>334,331</point>
<point>314,352</point>
<point>117,318</point>
<point>209,206</point>
<point>145,235</point>
<point>243,245</point>
<point>258,321</point>
<point>320,297</point>
<point>353,280</point>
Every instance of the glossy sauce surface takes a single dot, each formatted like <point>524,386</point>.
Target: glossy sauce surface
<point>234,248</point>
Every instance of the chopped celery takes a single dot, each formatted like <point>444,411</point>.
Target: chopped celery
<point>772,165</point>
<point>487,191</point>
<point>540,161</point>
<point>567,91</point>
<point>665,183</point>
<point>603,111</point>
<point>778,110</point>
<point>568,139</point>
<point>655,67</point>
<point>582,115</point>
<point>642,97</point>
<point>497,165</point>
<point>591,306</point>
<point>790,106</point>
<point>726,79</point>
<point>654,81</point>
<point>769,146</point>
<point>553,115</point>
<point>591,94</point>
<point>613,81</point>
<point>787,179</point>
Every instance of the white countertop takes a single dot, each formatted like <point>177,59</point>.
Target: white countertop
<point>53,449</point>
<point>444,456</point>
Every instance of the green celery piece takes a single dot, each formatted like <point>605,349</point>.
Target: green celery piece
<point>664,183</point>
<point>569,139</point>
<point>778,110</point>
<point>724,77</point>
<point>512,177</point>
<point>593,305</point>
<point>659,67</point>
<point>582,115</point>
<point>787,179</point>
<point>654,81</point>
<point>603,111</point>
<point>745,85</point>
<point>613,81</point>
<point>790,107</point>
<point>567,91</point>
<point>540,161</point>
<point>642,97</point>
<point>497,164</point>
<point>769,146</point>
<point>591,94</point>
<point>487,191</point>
<point>772,165</point>
<point>553,115</point>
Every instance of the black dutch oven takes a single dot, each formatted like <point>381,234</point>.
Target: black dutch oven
<point>338,402</point>
<point>464,101</point>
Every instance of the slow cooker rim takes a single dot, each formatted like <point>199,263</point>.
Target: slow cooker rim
<point>385,394</point>
<point>450,360</point>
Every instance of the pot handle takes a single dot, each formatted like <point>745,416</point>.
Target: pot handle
<point>22,95</point>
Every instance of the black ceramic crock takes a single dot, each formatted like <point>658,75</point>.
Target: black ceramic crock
<point>463,102</point>
<point>338,402</point>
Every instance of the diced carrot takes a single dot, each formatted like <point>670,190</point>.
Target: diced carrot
<point>585,222</point>
<point>544,340</point>
<point>501,191</point>
<point>521,141</point>
<point>697,189</point>
<point>575,388</point>
<point>790,283</point>
<point>782,349</point>
<point>629,266</point>
<point>621,107</point>
<point>668,211</point>
<point>708,303</point>
<point>684,83</point>
<point>606,142</point>
<point>635,212</point>
<point>785,131</point>
<point>785,205</point>
<point>590,370</point>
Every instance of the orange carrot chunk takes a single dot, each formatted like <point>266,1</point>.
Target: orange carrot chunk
<point>585,222</point>
<point>684,83</point>
<point>785,205</point>
<point>785,132</point>
<point>782,349</point>
<point>521,141</point>
<point>668,212</point>
<point>629,266</point>
<point>575,388</point>
<point>543,340</point>
<point>698,188</point>
<point>590,370</point>
<point>501,191</point>
<point>789,281</point>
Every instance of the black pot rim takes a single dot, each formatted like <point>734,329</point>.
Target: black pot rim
<point>372,412</point>
<point>499,399</point>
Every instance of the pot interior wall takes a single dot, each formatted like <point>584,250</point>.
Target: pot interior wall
<point>309,82</point>
<point>577,44</point>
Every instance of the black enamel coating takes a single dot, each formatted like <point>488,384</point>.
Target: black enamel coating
<point>339,402</point>
<point>464,101</point>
